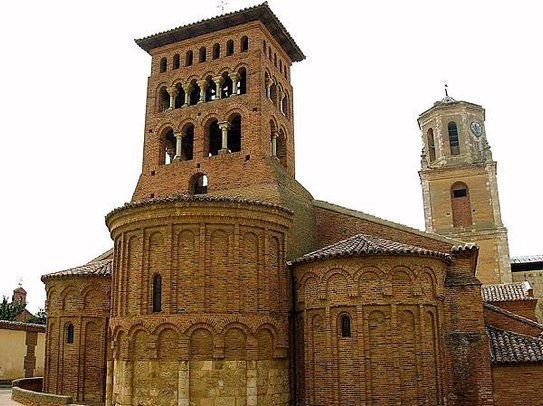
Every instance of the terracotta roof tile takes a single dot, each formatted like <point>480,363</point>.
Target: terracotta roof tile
<point>507,347</point>
<point>362,244</point>
<point>506,292</point>
<point>527,259</point>
<point>18,325</point>
<point>261,12</point>
<point>96,268</point>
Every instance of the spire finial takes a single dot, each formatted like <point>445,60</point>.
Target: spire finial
<point>446,90</point>
<point>20,282</point>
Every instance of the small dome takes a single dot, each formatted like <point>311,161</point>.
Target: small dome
<point>447,100</point>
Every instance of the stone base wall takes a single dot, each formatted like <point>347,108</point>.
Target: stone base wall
<point>31,398</point>
<point>200,383</point>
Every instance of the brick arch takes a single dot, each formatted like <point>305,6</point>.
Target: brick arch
<point>139,343</point>
<point>69,303</point>
<point>163,326</point>
<point>337,287</point>
<point>235,342</point>
<point>160,86</point>
<point>402,281</point>
<point>184,124</point>
<point>240,66</point>
<point>89,292</point>
<point>204,324</point>
<point>461,205</point>
<point>235,324</point>
<point>403,269</point>
<point>167,337</point>
<point>190,79</point>
<point>201,344</point>
<point>265,340</point>
<point>370,281</point>
<point>208,118</point>
<point>224,69</point>
<point>230,114</point>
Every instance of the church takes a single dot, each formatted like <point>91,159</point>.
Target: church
<point>229,284</point>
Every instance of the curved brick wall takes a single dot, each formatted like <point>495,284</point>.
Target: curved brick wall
<point>77,369</point>
<point>222,332</point>
<point>394,309</point>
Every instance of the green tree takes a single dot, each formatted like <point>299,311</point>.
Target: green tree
<point>10,310</point>
<point>39,318</point>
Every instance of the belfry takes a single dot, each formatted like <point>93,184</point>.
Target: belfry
<point>229,284</point>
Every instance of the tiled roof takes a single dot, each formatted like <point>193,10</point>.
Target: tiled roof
<point>95,268</point>
<point>259,12</point>
<point>527,259</point>
<point>195,198</point>
<point>362,244</point>
<point>507,347</point>
<point>18,325</point>
<point>506,292</point>
<point>514,316</point>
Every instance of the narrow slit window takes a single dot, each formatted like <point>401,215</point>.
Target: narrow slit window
<point>453,138</point>
<point>70,333</point>
<point>157,293</point>
<point>345,326</point>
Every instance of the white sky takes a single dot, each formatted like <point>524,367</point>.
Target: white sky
<point>73,89</point>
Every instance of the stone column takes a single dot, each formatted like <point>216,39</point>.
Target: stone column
<point>235,77</point>
<point>268,89</point>
<point>188,90</point>
<point>178,146</point>
<point>224,126</point>
<point>173,92</point>
<point>281,97</point>
<point>126,384</point>
<point>183,384</point>
<point>219,80</point>
<point>203,87</point>
<point>275,134</point>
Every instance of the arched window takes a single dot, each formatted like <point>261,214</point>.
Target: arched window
<point>282,148</point>
<point>180,99</point>
<point>345,326</point>
<point>163,65</point>
<point>167,147</point>
<point>194,97</point>
<point>242,84</point>
<point>273,93</point>
<point>211,89</point>
<point>244,44</point>
<point>198,184</point>
<point>227,85</point>
<point>188,58</point>
<point>216,51</point>
<point>267,81</point>
<point>431,145</point>
<point>234,134</point>
<point>214,138</point>
<point>285,104</point>
<point>453,138</point>
<point>164,101</point>
<point>187,144</point>
<point>461,206</point>
<point>202,54</point>
<point>229,48</point>
<point>69,333</point>
<point>157,293</point>
<point>176,60</point>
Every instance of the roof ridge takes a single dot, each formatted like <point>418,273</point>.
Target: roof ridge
<point>512,315</point>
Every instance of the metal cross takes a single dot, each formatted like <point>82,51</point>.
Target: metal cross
<point>222,6</point>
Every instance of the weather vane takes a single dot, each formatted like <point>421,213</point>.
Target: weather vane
<point>446,91</point>
<point>222,5</point>
<point>20,282</point>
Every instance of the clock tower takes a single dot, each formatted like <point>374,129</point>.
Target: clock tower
<point>459,184</point>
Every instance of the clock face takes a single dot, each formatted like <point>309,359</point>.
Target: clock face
<point>476,128</point>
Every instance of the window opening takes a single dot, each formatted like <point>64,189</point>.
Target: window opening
<point>202,54</point>
<point>234,134</point>
<point>164,99</point>
<point>194,93</point>
<point>163,65</point>
<point>284,105</point>
<point>187,144</point>
<point>199,184</point>
<point>227,86</point>
<point>244,44</point>
<point>264,45</point>
<point>168,151</point>
<point>453,138</point>
<point>157,293</point>
<point>180,99</point>
<point>273,93</point>
<point>345,326</point>
<point>188,59</point>
<point>215,138</point>
<point>242,84</point>
<point>275,60</point>
<point>282,148</point>
<point>431,145</point>
<point>211,89</point>
<point>176,60</point>
<point>216,51</point>
<point>269,53</point>
<point>70,333</point>
<point>229,48</point>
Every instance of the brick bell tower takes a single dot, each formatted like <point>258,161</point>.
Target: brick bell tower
<point>200,286</point>
<point>459,185</point>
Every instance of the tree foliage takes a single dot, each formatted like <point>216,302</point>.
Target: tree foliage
<point>39,318</point>
<point>10,310</point>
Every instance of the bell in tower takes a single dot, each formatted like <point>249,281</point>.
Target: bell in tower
<point>459,184</point>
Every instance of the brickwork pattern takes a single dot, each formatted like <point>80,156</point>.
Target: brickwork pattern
<point>518,385</point>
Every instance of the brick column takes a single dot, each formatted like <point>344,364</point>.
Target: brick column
<point>30,357</point>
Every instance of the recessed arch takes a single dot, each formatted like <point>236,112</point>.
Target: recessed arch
<point>189,58</point>
<point>229,47</point>
<point>216,51</point>
<point>461,206</point>
<point>244,44</point>
<point>431,145</point>
<point>176,61</point>
<point>202,54</point>
<point>163,65</point>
